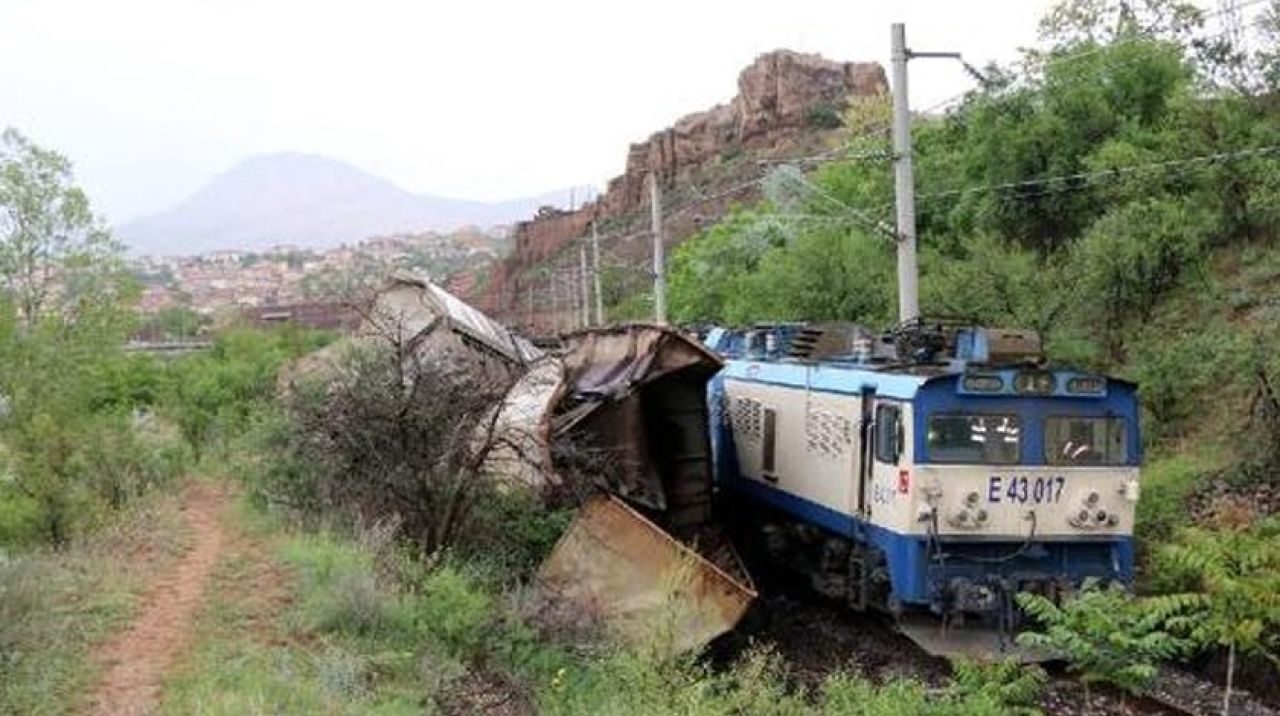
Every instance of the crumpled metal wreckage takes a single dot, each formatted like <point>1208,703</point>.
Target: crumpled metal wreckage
<point>642,555</point>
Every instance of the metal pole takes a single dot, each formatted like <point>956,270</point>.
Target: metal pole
<point>586,287</point>
<point>659,263</point>
<point>904,180</point>
<point>595,273</point>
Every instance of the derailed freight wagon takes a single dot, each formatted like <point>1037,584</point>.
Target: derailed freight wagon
<point>642,555</point>
<point>632,415</point>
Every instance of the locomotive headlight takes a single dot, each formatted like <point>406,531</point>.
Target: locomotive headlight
<point>933,493</point>
<point>1091,499</point>
<point>966,518</point>
<point>972,499</point>
<point>1100,516</point>
<point>1130,489</point>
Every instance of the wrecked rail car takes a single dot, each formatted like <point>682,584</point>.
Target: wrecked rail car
<point>621,410</point>
<point>635,395</point>
<point>631,415</point>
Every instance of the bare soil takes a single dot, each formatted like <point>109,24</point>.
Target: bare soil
<point>136,661</point>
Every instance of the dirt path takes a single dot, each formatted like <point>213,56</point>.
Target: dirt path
<point>137,660</point>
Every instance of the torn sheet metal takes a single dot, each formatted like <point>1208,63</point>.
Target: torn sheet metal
<point>635,394</point>
<point>521,451</point>
<point>612,362</point>
<point>649,588</point>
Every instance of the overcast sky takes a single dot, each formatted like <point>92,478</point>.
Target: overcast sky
<point>463,98</point>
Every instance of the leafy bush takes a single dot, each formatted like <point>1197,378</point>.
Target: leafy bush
<point>1237,570</point>
<point>824,115</point>
<point>1013,685</point>
<point>1136,253</point>
<point>454,610</point>
<point>1166,485</point>
<point>1108,636</point>
<point>511,532</point>
<point>212,397</point>
<point>1172,372</point>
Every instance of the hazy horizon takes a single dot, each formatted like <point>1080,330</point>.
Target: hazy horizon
<point>482,102</point>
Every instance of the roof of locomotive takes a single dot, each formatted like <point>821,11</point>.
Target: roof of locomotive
<point>903,382</point>
<point>832,377</point>
<point>796,356</point>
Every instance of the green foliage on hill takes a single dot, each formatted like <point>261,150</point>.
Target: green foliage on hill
<point>1072,197</point>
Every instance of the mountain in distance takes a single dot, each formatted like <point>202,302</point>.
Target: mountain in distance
<point>310,201</point>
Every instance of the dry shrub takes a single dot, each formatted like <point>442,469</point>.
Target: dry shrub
<point>393,435</point>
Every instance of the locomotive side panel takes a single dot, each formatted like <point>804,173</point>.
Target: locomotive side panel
<point>803,445</point>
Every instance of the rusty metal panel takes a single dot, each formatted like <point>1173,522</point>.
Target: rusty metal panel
<point>615,361</point>
<point>637,394</point>
<point>646,586</point>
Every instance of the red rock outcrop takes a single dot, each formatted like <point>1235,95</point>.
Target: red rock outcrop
<point>782,97</point>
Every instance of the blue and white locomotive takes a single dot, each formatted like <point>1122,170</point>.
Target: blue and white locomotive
<point>942,469</point>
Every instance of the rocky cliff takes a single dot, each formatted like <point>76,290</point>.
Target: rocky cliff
<point>786,100</point>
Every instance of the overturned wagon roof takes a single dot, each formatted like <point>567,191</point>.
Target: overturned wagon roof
<point>421,306</point>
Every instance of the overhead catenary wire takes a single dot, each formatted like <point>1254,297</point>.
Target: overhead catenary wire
<point>1103,173</point>
<point>1143,37</point>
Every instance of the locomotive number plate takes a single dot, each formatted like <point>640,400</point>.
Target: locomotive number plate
<point>1023,489</point>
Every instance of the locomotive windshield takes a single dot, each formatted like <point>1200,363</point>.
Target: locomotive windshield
<point>1085,441</point>
<point>974,439</point>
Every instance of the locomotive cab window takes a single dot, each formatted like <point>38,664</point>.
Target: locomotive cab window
<point>888,433</point>
<point>1085,441</point>
<point>974,439</point>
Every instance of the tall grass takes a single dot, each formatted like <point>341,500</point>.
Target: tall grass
<point>55,605</point>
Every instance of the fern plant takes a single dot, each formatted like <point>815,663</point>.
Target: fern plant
<point>1107,635</point>
<point>1014,686</point>
<point>1237,570</point>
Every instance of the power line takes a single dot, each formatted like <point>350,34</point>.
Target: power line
<point>834,154</point>
<point>861,217</point>
<point>1143,37</point>
<point>1106,173</point>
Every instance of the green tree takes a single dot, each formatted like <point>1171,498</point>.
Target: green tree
<point>176,322</point>
<point>50,243</point>
<point>1135,254</point>
<point>1076,22</point>
<point>706,273</point>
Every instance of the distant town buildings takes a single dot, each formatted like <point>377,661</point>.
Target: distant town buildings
<point>287,275</point>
